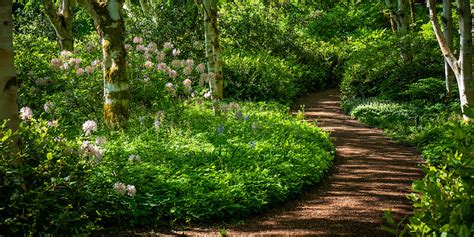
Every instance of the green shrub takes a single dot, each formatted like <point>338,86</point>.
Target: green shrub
<point>375,67</point>
<point>426,90</point>
<point>259,76</point>
<point>444,198</point>
<point>43,187</point>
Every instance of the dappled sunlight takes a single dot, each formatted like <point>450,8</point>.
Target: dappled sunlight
<point>372,174</point>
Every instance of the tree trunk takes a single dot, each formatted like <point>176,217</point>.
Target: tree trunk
<point>461,67</point>
<point>412,12</point>
<point>404,26</point>
<point>61,20</point>
<point>8,80</point>
<point>213,52</point>
<point>110,26</point>
<point>447,22</point>
<point>465,83</point>
<point>392,15</point>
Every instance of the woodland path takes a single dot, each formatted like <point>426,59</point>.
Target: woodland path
<point>371,174</point>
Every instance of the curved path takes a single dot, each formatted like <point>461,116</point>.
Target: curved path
<point>371,174</point>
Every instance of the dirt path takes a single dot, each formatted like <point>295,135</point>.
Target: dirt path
<point>371,174</point>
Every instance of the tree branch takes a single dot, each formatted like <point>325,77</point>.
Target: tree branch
<point>447,53</point>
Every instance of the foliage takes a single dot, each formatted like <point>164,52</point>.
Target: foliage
<point>280,37</point>
<point>205,168</point>
<point>44,187</point>
<point>259,76</point>
<point>376,69</point>
<point>345,20</point>
<point>198,168</point>
<point>444,197</point>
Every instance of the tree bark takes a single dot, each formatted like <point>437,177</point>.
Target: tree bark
<point>412,12</point>
<point>392,15</point>
<point>8,79</point>
<point>465,83</point>
<point>61,19</point>
<point>404,27</point>
<point>461,67</point>
<point>110,26</point>
<point>447,22</point>
<point>213,51</point>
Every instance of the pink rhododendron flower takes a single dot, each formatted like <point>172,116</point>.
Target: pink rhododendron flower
<point>148,64</point>
<point>207,95</point>
<point>56,62</point>
<point>187,82</point>
<point>176,63</point>
<point>131,190</point>
<point>137,40</point>
<point>120,188</point>
<point>26,113</point>
<point>80,71</point>
<point>173,73</point>
<point>48,106</point>
<point>89,126</point>
<point>201,68</point>
<point>168,45</point>
<point>160,56</point>
<point>161,67</point>
<point>176,52</point>
<point>169,87</point>
<point>95,63</point>
<point>140,47</point>
<point>66,54</point>
<point>152,47</point>
<point>90,69</point>
<point>187,70</point>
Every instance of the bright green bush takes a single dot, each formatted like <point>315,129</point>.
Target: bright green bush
<point>259,76</point>
<point>375,68</point>
<point>43,187</point>
<point>444,198</point>
<point>345,20</point>
<point>279,32</point>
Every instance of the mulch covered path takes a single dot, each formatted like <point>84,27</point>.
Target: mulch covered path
<point>371,174</point>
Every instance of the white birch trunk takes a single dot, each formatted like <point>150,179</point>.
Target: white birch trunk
<point>461,67</point>
<point>110,26</point>
<point>61,19</point>
<point>213,52</point>
<point>8,80</point>
<point>447,22</point>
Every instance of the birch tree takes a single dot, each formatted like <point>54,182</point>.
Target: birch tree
<point>213,51</point>
<point>400,21</point>
<point>109,22</point>
<point>8,80</point>
<point>462,66</point>
<point>447,23</point>
<point>61,19</point>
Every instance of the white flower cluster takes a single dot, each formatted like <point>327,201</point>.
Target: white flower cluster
<point>26,113</point>
<point>89,126</point>
<point>134,158</point>
<point>93,150</point>
<point>66,61</point>
<point>123,189</point>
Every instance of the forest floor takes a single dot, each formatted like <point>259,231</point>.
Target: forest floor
<point>371,174</point>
